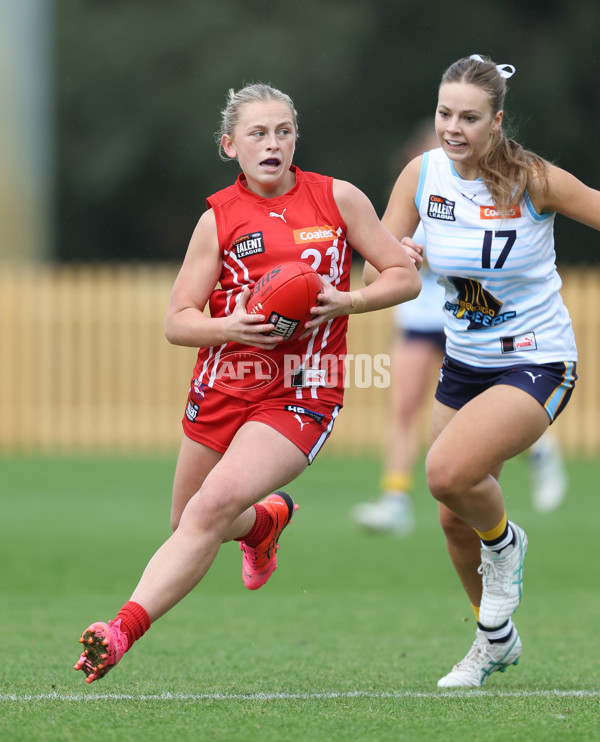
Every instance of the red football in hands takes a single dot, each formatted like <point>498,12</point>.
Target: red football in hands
<point>285,295</point>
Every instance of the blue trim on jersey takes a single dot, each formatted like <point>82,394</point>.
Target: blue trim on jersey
<point>455,172</point>
<point>533,212</point>
<point>555,400</point>
<point>422,174</point>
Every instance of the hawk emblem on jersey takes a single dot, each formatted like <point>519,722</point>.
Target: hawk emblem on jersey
<point>476,305</point>
<point>248,244</point>
<point>441,208</point>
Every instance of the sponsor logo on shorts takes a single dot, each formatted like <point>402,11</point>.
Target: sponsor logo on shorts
<point>248,244</point>
<point>199,388</point>
<point>491,212</point>
<point>196,395</point>
<point>441,208</point>
<point>515,344</point>
<point>302,422</point>
<point>314,234</point>
<point>191,411</point>
<point>533,376</point>
<point>299,410</point>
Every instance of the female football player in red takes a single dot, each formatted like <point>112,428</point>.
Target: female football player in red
<point>259,409</point>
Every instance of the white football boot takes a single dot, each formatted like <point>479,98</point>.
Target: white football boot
<point>502,575</point>
<point>482,660</point>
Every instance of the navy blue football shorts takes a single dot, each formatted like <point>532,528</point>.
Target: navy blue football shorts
<point>435,337</point>
<point>550,383</point>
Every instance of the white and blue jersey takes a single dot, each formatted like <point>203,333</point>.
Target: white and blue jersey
<point>502,303</point>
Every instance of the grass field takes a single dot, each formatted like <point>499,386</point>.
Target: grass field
<point>346,642</point>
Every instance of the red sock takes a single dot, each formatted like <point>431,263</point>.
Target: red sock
<point>261,528</point>
<point>134,621</point>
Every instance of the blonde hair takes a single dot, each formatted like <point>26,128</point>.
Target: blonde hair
<point>507,169</point>
<point>252,93</point>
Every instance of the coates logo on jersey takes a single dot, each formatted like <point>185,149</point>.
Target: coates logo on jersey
<point>242,370</point>
<point>314,234</point>
<point>491,212</point>
<point>248,244</point>
<point>441,208</point>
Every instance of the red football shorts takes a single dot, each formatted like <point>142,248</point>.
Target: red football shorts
<point>213,418</point>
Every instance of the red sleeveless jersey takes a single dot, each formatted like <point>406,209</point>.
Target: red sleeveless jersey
<point>256,234</point>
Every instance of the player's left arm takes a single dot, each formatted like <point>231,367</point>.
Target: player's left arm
<point>563,193</point>
<point>398,279</point>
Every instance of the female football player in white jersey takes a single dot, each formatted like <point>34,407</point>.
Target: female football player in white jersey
<point>417,349</point>
<point>487,207</point>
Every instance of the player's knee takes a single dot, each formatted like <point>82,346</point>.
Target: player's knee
<point>209,511</point>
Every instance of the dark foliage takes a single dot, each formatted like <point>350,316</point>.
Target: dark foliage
<point>140,85</point>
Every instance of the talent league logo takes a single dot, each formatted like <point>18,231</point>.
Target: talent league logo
<point>248,244</point>
<point>441,208</point>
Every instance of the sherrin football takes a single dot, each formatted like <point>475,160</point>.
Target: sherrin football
<point>285,295</point>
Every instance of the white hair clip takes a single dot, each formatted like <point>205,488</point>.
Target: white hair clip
<point>504,70</point>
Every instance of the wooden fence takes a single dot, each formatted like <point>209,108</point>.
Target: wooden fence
<point>85,367</point>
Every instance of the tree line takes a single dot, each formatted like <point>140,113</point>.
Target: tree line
<point>139,87</point>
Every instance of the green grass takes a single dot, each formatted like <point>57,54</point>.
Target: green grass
<point>346,642</point>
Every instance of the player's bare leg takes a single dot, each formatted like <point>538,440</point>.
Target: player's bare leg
<point>463,466</point>
<point>221,510</point>
<point>210,517</point>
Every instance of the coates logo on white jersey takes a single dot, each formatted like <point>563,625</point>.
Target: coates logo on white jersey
<point>491,212</point>
<point>314,234</point>
<point>441,208</point>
